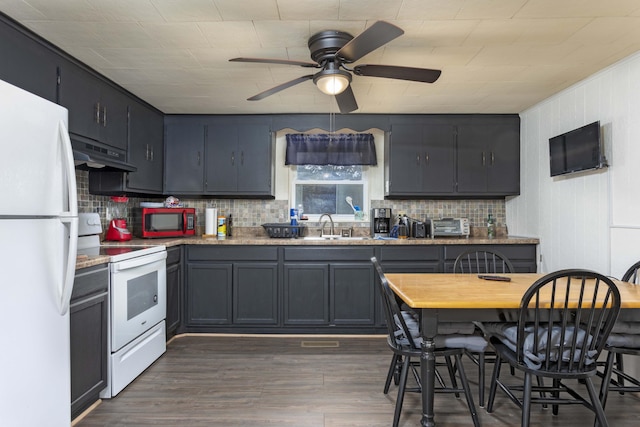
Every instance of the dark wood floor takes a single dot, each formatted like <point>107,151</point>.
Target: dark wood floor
<point>300,381</point>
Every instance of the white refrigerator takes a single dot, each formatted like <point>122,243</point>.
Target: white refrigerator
<point>38,235</point>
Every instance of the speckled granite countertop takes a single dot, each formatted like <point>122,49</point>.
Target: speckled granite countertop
<point>511,240</point>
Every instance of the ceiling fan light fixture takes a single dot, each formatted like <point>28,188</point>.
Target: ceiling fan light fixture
<point>332,82</point>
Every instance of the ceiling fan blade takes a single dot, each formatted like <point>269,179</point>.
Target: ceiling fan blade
<point>369,40</point>
<point>277,61</point>
<point>346,101</point>
<point>424,75</point>
<point>278,88</point>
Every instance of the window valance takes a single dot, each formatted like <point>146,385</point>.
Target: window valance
<point>342,149</point>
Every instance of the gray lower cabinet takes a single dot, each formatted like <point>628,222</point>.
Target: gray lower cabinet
<point>174,290</point>
<point>88,330</point>
<point>306,289</point>
<point>232,285</point>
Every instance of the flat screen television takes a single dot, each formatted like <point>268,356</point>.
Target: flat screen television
<point>576,150</point>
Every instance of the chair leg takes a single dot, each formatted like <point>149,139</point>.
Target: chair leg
<point>481,379</point>
<point>541,384</point>
<point>526,400</point>
<point>401,387</point>
<point>392,371</point>
<point>606,379</point>
<point>452,372</point>
<point>595,402</point>
<point>494,383</point>
<point>556,395</point>
<point>620,367</point>
<point>467,391</point>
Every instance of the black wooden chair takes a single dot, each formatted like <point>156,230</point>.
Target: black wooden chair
<point>482,261</point>
<point>405,342</point>
<point>623,341</point>
<point>577,331</point>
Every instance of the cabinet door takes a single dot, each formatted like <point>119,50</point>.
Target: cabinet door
<point>306,294</point>
<point>352,294</point>
<point>503,172</point>
<point>421,160</point>
<point>184,158</point>
<point>174,298</point>
<point>489,159</point>
<point>255,293</point>
<point>222,159</point>
<point>28,64</point>
<point>255,165</point>
<point>146,149</point>
<point>80,94</point>
<point>438,159</point>
<point>88,332</point>
<point>404,162</point>
<point>209,291</point>
<point>114,117</point>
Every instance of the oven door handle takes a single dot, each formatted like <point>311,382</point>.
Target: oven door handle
<point>138,262</point>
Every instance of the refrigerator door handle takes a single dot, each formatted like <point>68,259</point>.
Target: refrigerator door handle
<point>70,265</point>
<point>70,171</point>
<point>69,218</point>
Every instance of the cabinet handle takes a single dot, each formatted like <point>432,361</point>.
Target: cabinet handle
<point>426,158</point>
<point>493,159</point>
<point>98,112</point>
<point>198,158</point>
<point>233,158</point>
<point>418,159</point>
<point>146,154</point>
<point>104,116</point>
<point>151,153</point>
<point>484,160</point>
<point>242,158</point>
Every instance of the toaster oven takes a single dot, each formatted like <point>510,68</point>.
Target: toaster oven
<point>450,227</point>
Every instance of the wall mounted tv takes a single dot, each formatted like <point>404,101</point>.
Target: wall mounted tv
<point>577,150</point>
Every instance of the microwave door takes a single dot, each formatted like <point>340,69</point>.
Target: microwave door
<point>164,221</point>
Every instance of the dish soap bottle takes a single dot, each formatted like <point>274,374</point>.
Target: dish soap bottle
<point>230,226</point>
<point>491,227</point>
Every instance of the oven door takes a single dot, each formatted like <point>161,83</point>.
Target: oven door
<point>138,297</point>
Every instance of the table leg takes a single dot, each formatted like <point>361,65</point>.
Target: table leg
<point>429,328</point>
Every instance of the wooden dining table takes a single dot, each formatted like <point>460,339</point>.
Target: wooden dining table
<point>466,297</point>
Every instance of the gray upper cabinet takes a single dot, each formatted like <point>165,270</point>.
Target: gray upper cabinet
<point>453,156</point>
<point>239,160</point>
<point>146,148</point>
<point>27,63</point>
<point>184,158</point>
<point>219,157</point>
<point>97,110</point>
<point>489,158</point>
<point>420,160</point>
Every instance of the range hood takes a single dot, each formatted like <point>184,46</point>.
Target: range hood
<point>90,154</point>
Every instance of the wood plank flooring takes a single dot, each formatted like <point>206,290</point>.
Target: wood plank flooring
<point>306,381</point>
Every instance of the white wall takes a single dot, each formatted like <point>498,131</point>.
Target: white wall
<point>591,219</point>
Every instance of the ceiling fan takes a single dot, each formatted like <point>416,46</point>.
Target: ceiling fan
<point>332,50</point>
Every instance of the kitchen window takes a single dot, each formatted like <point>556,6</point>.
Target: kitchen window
<point>328,169</point>
<point>325,188</point>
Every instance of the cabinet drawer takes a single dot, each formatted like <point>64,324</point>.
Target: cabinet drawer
<point>362,253</point>
<point>232,253</point>
<point>414,253</point>
<point>89,281</point>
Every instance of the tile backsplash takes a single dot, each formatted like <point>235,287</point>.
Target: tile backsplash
<point>254,213</point>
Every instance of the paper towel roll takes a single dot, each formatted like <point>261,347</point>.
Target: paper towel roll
<point>210,224</point>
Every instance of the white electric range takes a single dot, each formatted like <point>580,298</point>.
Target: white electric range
<point>137,302</point>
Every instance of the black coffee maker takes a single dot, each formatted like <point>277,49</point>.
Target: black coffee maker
<point>381,222</point>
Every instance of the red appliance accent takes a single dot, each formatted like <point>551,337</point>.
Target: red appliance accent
<point>164,222</point>
<point>117,230</point>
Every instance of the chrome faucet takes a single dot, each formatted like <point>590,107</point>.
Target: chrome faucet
<point>324,223</point>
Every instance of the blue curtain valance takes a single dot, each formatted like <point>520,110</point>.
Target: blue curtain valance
<point>342,149</point>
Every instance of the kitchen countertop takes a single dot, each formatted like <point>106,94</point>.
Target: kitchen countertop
<point>84,262</point>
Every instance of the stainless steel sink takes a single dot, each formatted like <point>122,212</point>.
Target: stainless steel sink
<point>333,237</point>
